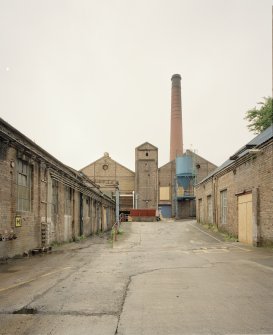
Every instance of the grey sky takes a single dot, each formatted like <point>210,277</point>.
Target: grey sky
<point>82,77</point>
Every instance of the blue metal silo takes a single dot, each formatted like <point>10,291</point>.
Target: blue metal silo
<point>184,171</point>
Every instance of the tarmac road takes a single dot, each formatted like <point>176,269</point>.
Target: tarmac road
<point>159,278</point>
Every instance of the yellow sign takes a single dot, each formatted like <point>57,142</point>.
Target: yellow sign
<point>18,221</point>
<point>180,191</point>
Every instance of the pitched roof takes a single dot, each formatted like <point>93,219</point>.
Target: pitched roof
<point>263,137</point>
<point>106,157</point>
<point>260,139</point>
<point>146,144</point>
<point>186,153</point>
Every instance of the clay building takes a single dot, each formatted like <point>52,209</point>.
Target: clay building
<point>238,196</point>
<point>42,200</point>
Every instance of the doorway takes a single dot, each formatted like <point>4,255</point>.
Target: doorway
<point>245,221</point>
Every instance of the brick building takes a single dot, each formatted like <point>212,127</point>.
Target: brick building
<point>238,196</point>
<point>109,175</point>
<point>150,186</point>
<point>169,189</point>
<point>42,200</point>
<point>146,177</point>
<point>176,186</point>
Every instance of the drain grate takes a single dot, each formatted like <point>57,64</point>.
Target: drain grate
<point>26,310</point>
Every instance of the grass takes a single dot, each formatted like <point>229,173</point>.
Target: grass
<point>226,236</point>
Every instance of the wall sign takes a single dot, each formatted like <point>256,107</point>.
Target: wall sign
<point>18,221</point>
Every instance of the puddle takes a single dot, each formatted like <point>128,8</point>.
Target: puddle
<point>26,310</point>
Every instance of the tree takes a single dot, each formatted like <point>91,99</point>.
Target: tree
<point>260,118</point>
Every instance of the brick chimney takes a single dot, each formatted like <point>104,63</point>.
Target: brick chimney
<point>176,143</point>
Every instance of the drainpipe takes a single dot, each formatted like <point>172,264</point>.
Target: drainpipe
<point>176,201</point>
<point>117,204</point>
<point>136,200</point>
<point>214,190</point>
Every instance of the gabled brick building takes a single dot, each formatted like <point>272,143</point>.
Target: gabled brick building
<point>175,199</point>
<point>42,200</point>
<point>109,175</point>
<point>238,196</point>
<point>150,186</point>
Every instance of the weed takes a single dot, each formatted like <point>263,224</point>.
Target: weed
<point>80,238</point>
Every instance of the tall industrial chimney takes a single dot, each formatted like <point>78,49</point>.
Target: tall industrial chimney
<point>176,144</point>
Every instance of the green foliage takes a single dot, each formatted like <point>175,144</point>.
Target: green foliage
<point>120,231</point>
<point>79,238</point>
<point>229,237</point>
<point>260,118</point>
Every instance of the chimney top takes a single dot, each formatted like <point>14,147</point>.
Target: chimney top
<point>174,76</point>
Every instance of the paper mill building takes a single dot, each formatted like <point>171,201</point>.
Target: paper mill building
<point>169,188</point>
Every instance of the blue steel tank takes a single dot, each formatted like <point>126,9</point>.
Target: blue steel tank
<point>184,171</point>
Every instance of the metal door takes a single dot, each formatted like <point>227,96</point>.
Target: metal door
<point>166,211</point>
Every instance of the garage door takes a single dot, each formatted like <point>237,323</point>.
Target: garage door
<point>166,211</point>
<point>245,218</point>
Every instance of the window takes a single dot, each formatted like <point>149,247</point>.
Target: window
<point>209,204</point>
<point>223,207</point>
<point>3,149</point>
<point>89,207</point>
<point>200,210</point>
<point>68,198</point>
<point>24,176</point>
<point>54,197</point>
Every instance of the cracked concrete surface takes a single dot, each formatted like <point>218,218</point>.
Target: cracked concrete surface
<point>159,278</point>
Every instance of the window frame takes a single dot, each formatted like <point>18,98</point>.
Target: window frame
<point>24,177</point>
<point>223,206</point>
<point>55,196</point>
<point>209,209</point>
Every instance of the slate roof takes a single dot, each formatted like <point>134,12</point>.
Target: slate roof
<point>263,137</point>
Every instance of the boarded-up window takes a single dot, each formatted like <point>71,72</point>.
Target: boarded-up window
<point>165,193</point>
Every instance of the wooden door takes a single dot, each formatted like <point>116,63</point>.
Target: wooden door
<point>245,221</point>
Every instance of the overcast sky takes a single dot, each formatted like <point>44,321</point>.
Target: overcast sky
<point>84,77</point>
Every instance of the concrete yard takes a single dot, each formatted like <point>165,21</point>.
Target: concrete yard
<point>168,277</point>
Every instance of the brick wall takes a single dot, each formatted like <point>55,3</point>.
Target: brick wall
<point>105,171</point>
<point>166,175</point>
<point>59,226</point>
<point>254,175</point>
<point>146,177</point>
